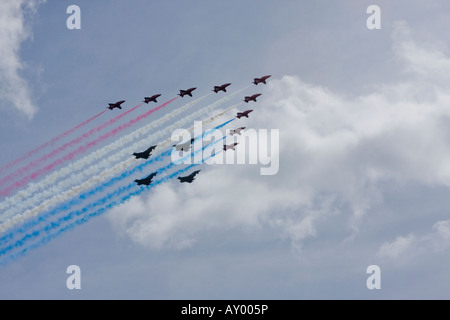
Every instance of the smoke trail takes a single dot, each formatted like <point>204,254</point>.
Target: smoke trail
<point>49,143</point>
<point>60,149</point>
<point>109,173</point>
<point>54,225</point>
<point>80,150</point>
<point>47,184</point>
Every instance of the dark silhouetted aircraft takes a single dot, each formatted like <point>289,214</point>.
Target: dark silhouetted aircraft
<point>237,131</point>
<point>262,79</point>
<point>152,98</point>
<point>146,180</point>
<point>185,146</point>
<point>229,146</point>
<point>144,154</point>
<point>186,92</point>
<point>189,178</point>
<point>221,88</point>
<point>243,114</point>
<point>115,105</point>
<point>252,98</point>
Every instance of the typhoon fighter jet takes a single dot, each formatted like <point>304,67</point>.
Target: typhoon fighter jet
<point>189,178</point>
<point>243,114</point>
<point>262,79</point>
<point>237,131</point>
<point>115,105</point>
<point>152,98</point>
<point>144,154</point>
<point>184,146</point>
<point>252,98</point>
<point>147,180</point>
<point>229,146</point>
<point>221,88</point>
<point>186,92</point>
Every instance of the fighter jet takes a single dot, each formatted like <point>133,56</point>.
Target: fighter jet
<point>152,98</point>
<point>186,92</point>
<point>252,98</point>
<point>185,146</point>
<point>144,154</point>
<point>146,181</point>
<point>221,88</point>
<point>189,178</point>
<point>243,114</point>
<point>229,146</point>
<point>115,105</point>
<point>237,131</point>
<point>262,79</point>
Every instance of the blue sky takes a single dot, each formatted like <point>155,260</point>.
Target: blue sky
<point>363,123</point>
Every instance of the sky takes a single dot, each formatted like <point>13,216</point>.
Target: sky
<point>362,117</point>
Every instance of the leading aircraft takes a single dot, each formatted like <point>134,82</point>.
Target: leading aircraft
<point>262,79</point>
<point>221,88</point>
<point>189,178</point>
<point>144,154</point>
<point>186,92</point>
<point>152,98</point>
<point>243,114</point>
<point>252,98</point>
<point>147,180</point>
<point>115,105</point>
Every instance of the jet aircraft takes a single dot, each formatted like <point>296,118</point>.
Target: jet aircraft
<point>115,105</point>
<point>243,114</point>
<point>252,98</point>
<point>147,180</point>
<point>237,131</point>
<point>229,146</point>
<point>152,98</point>
<point>184,146</point>
<point>221,88</point>
<point>189,178</point>
<point>144,154</point>
<point>262,79</point>
<point>186,92</point>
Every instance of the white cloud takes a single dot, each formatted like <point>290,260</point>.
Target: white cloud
<point>335,152</point>
<point>399,246</point>
<point>413,245</point>
<point>13,32</point>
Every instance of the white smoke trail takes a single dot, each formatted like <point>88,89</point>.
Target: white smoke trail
<point>22,200</point>
<point>60,196</point>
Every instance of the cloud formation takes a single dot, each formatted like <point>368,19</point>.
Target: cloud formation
<point>13,31</point>
<point>336,153</point>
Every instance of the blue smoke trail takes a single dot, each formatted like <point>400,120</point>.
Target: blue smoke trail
<point>53,225</point>
<point>96,213</point>
<point>100,188</point>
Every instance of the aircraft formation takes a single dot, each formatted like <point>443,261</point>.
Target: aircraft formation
<point>186,145</point>
<point>78,184</point>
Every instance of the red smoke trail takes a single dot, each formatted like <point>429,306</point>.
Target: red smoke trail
<point>80,150</point>
<point>56,151</point>
<point>49,143</point>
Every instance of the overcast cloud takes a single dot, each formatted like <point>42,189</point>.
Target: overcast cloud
<point>334,152</point>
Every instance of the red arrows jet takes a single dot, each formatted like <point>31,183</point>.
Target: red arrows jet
<point>262,79</point>
<point>221,88</point>
<point>252,98</point>
<point>152,98</point>
<point>237,131</point>
<point>115,105</point>
<point>229,146</point>
<point>186,92</point>
<point>243,114</point>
